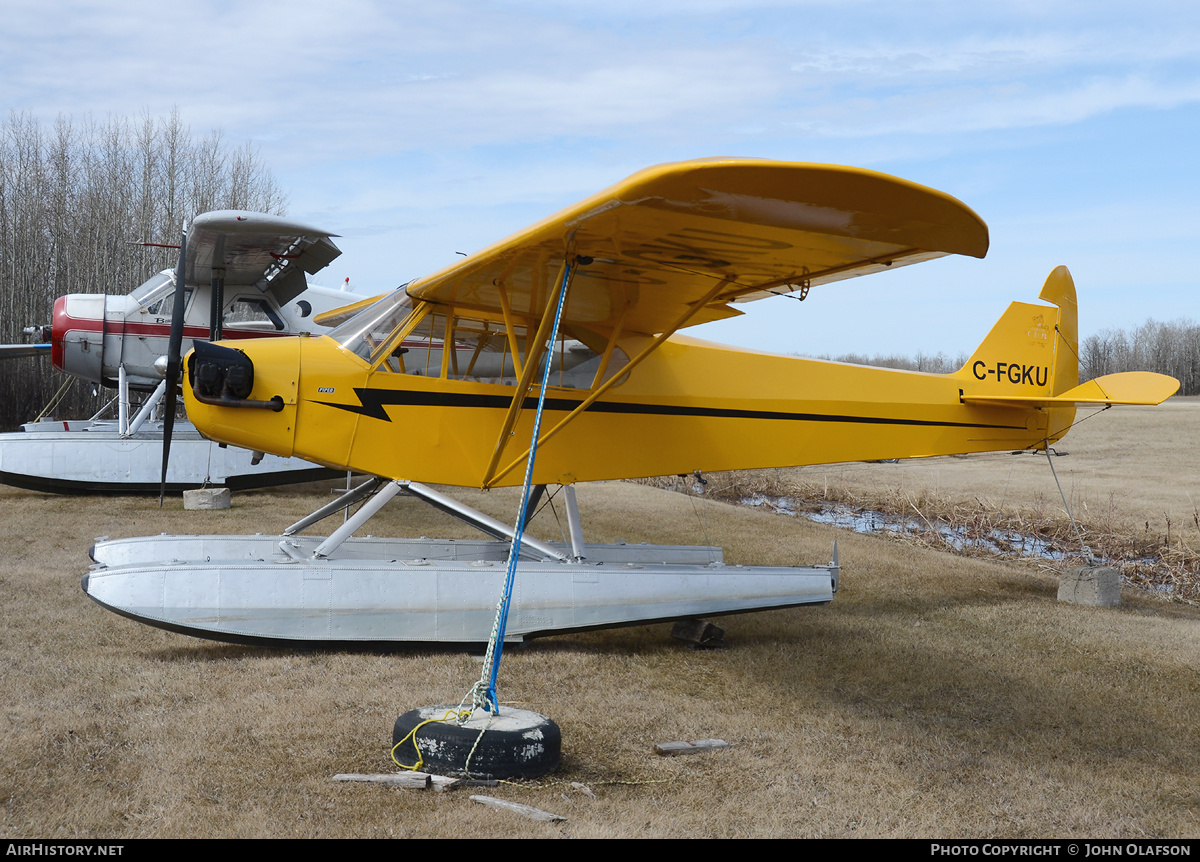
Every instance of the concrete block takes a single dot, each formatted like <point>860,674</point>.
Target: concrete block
<point>699,633</point>
<point>206,498</point>
<point>1098,586</point>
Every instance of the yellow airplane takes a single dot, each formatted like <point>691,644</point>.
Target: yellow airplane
<point>442,382</point>
<point>669,247</point>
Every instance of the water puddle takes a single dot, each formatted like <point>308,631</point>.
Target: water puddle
<point>995,541</point>
<point>998,542</point>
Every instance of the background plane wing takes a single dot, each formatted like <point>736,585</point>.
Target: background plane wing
<point>666,236</point>
<point>16,351</point>
<point>270,252</point>
<point>336,316</point>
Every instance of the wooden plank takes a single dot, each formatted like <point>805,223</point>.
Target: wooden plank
<point>415,780</point>
<point>411,780</point>
<point>442,783</point>
<point>672,749</point>
<point>517,808</point>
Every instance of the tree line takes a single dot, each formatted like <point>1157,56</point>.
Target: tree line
<point>938,363</point>
<point>77,200</point>
<point>1168,348</point>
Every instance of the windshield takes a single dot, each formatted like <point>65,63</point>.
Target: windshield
<point>366,331</point>
<point>153,290</point>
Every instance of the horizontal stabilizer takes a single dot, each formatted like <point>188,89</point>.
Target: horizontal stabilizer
<point>1128,387</point>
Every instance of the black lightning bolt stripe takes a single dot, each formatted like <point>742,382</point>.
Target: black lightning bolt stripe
<point>373,401</point>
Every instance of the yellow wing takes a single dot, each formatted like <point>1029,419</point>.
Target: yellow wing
<point>663,239</point>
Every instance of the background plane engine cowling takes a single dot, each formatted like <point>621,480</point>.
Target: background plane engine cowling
<point>77,335</point>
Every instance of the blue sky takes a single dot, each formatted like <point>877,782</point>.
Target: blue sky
<point>417,130</point>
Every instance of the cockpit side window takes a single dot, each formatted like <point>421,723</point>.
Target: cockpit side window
<point>430,340</point>
<point>471,346</point>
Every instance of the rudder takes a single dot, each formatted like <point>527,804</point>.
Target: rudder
<point>1033,349</point>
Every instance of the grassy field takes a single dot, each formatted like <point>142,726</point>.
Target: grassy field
<point>938,695</point>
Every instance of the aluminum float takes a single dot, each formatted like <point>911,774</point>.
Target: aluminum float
<point>279,590</point>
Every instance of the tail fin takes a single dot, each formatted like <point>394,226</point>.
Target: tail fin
<point>1033,350</point>
<point>1031,359</point>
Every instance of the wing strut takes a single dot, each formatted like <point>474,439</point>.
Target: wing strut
<point>509,331</point>
<point>491,480</point>
<point>613,338</point>
<point>534,350</point>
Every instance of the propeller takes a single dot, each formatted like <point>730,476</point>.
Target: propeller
<point>174,360</point>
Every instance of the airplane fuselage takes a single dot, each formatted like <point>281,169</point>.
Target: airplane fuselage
<point>94,334</point>
<point>690,405</point>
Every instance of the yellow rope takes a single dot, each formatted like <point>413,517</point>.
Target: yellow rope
<point>450,715</point>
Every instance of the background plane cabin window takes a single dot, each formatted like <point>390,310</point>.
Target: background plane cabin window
<point>252,313</point>
<point>162,306</point>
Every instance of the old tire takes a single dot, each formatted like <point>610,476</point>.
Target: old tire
<point>516,743</point>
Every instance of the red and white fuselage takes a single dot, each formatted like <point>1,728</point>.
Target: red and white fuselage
<point>92,334</point>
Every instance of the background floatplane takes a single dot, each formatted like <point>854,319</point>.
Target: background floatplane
<point>245,278</point>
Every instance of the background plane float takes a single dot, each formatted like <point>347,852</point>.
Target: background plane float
<point>598,291</point>
<point>249,267</point>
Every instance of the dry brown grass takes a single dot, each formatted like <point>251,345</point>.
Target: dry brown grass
<point>936,696</point>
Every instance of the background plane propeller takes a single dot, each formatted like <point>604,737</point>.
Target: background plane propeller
<point>174,361</point>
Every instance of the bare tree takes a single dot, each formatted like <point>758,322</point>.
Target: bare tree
<point>76,197</point>
<point>1169,348</point>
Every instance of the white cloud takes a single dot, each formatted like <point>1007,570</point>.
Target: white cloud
<point>993,106</point>
<point>365,77</point>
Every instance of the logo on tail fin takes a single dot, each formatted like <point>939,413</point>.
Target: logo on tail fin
<point>1039,330</point>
